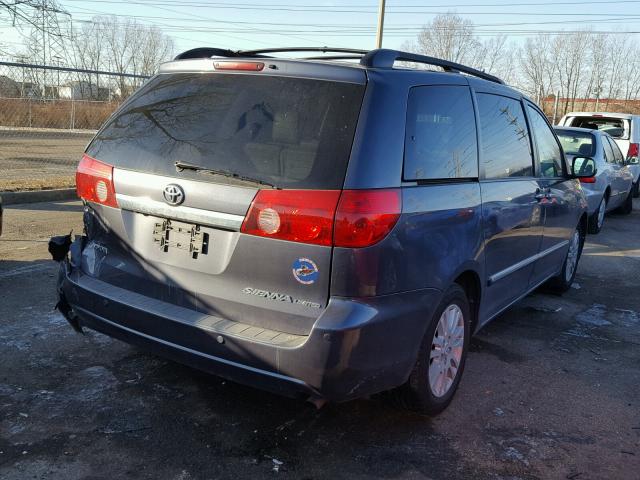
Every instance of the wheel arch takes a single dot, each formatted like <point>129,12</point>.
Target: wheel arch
<point>583,224</point>
<point>470,282</point>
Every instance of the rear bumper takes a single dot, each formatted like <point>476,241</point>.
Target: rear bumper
<point>357,347</point>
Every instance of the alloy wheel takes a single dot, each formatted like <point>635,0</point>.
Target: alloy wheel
<point>446,350</point>
<point>601,211</point>
<point>572,256</point>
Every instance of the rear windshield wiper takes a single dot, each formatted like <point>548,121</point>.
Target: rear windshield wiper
<point>180,166</point>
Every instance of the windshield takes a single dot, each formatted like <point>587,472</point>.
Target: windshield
<point>577,143</point>
<point>288,132</point>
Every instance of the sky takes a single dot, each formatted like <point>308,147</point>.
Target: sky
<point>250,24</point>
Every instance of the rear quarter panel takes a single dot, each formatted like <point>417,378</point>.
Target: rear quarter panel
<point>437,237</point>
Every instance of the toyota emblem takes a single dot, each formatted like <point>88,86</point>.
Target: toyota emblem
<point>173,194</point>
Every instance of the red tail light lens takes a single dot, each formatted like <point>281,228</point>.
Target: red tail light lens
<point>364,217</point>
<point>94,182</point>
<point>588,180</point>
<point>633,150</point>
<point>351,218</point>
<point>295,215</point>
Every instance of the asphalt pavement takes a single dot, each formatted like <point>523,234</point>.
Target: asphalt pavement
<point>551,390</point>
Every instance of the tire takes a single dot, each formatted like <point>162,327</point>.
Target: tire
<point>635,189</point>
<point>429,391</point>
<point>596,220</point>
<point>562,282</point>
<point>627,206</point>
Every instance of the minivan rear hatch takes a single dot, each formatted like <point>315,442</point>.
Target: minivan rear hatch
<point>190,153</point>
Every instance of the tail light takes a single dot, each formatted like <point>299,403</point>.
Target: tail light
<point>351,218</point>
<point>296,215</point>
<point>587,179</point>
<point>633,150</point>
<point>94,182</point>
<point>365,217</point>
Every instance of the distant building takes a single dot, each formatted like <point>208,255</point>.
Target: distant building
<point>83,90</point>
<point>124,91</point>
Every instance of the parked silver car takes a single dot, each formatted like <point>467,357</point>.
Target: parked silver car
<point>611,186</point>
<point>623,127</point>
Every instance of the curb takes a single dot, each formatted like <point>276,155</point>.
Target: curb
<point>55,195</point>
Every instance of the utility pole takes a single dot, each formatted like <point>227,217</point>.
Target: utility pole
<point>380,24</point>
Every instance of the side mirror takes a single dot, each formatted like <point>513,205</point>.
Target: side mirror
<point>583,167</point>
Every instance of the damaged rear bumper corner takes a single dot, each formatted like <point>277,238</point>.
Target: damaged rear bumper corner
<point>59,248</point>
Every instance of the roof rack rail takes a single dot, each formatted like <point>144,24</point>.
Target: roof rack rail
<point>208,52</point>
<point>334,57</point>
<point>303,49</point>
<point>385,58</point>
<point>379,58</point>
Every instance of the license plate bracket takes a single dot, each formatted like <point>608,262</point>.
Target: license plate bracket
<point>174,235</point>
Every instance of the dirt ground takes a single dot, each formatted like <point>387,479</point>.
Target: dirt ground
<point>551,391</point>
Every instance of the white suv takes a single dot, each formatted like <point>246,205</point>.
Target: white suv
<point>623,127</point>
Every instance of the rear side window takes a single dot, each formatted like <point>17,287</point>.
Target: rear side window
<point>505,144</point>
<point>617,154</point>
<point>290,132</point>
<point>549,153</point>
<point>440,141</point>
<point>608,151</point>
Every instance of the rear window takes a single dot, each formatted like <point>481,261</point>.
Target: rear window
<point>616,127</point>
<point>290,132</point>
<point>581,144</point>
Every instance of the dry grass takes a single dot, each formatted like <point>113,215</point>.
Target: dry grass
<point>45,183</point>
<point>54,113</point>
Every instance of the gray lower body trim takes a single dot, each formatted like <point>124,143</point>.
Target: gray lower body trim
<point>186,214</point>
<point>190,350</point>
<point>527,261</point>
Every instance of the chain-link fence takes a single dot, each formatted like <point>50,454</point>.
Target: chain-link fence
<point>48,115</point>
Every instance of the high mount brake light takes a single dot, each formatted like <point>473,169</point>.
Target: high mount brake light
<point>245,66</point>
<point>351,218</point>
<point>94,182</point>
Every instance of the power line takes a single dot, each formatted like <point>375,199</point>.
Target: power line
<point>350,8</point>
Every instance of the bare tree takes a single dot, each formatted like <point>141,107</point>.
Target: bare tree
<point>451,37</point>
<point>599,62</point>
<point>107,43</point>
<point>152,48</point>
<point>536,66</point>
<point>448,36</point>
<point>575,66</point>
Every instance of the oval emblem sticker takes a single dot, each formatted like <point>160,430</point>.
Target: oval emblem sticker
<point>305,271</point>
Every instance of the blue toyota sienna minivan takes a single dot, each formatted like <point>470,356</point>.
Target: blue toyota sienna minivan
<point>321,228</point>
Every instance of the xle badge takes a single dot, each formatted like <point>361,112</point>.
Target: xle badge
<point>305,271</point>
